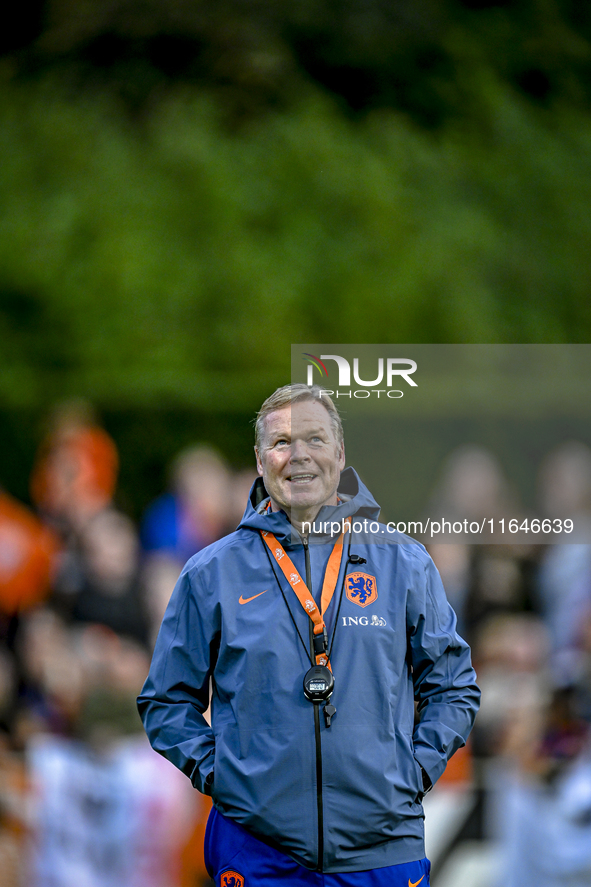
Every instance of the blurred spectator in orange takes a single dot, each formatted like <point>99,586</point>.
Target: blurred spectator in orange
<point>27,555</point>
<point>76,469</point>
<point>196,512</point>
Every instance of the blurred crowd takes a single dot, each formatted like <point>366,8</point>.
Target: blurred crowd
<point>85,802</point>
<point>526,611</point>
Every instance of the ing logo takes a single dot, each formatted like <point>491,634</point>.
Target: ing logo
<point>361,589</point>
<point>231,879</point>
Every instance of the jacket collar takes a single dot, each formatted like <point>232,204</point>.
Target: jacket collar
<point>355,500</point>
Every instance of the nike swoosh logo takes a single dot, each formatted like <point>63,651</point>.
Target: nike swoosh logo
<point>410,883</point>
<point>242,600</point>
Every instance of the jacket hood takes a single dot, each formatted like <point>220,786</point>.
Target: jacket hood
<point>355,500</point>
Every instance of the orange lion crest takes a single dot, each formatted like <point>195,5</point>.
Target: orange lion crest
<point>362,589</point>
<point>232,879</point>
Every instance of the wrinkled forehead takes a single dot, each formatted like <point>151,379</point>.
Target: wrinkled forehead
<point>299,420</point>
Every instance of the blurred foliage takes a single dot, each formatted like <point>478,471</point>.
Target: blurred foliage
<point>173,264</point>
<point>187,187</point>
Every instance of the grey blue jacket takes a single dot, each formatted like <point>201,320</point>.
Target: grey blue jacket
<point>337,799</point>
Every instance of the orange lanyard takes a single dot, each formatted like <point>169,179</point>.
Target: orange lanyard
<point>301,589</point>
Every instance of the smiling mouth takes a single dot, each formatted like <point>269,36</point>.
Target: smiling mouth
<point>301,478</point>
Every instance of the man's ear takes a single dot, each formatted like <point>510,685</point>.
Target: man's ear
<point>342,457</point>
<point>259,463</point>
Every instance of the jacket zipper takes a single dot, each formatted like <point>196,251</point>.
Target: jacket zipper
<point>319,804</point>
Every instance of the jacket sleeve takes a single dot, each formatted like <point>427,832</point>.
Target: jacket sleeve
<point>444,681</point>
<point>176,692</point>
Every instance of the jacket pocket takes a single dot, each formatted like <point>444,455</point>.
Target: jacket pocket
<point>420,787</point>
<point>208,786</point>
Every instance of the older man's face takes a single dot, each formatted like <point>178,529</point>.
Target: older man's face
<point>300,459</point>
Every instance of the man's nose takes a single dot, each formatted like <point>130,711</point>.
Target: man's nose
<point>299,451</point>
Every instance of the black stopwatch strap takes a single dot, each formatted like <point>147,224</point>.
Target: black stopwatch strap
<point>336,621</point>
<point>320,642</point>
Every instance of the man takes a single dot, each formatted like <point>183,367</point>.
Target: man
<point>317,785</point>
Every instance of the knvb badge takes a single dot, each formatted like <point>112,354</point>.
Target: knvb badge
<point>361,589</point>
<point>390,370</point>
